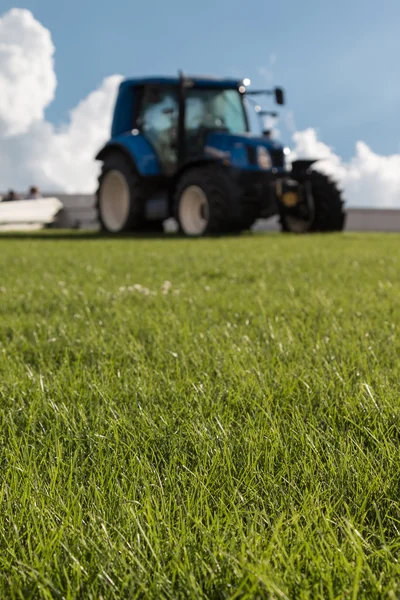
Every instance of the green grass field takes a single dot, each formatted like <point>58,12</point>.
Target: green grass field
<point>200,418</point>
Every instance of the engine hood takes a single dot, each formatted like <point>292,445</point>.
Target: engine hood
<point>241,149</point>
<point>226,142</point>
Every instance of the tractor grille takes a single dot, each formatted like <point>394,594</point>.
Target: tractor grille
<point>251,155</point>
<point>278,158</point>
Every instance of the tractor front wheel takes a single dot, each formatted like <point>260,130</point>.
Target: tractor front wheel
<point>326,213</point>
<point>119,198</point>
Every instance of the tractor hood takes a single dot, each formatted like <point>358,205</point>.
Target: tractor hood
<point>242,150</point>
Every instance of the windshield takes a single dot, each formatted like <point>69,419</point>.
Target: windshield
<point>215,109</point>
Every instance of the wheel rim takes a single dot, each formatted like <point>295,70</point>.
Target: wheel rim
<point>193,211</point>
<point>114,201</point>
<point>297,223</point>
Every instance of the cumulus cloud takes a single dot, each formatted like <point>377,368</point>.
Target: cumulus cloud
<point>61,159</point>
<point>33,151</point>
<point>27,78</point>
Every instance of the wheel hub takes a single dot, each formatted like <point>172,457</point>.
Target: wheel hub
<point>114,201</point>
<point>298,207</point>
<point>193,211</point>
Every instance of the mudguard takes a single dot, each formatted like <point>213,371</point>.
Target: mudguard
<point>303,164</point>
<point>138,149</point>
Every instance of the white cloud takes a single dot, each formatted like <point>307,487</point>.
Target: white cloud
<point>367,179</point>
<point>68,157</point>
<point>27,78</point>
<point>33,151</point>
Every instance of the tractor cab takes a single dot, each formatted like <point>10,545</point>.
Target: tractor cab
<point>181,147</point>
<point>187,119</point>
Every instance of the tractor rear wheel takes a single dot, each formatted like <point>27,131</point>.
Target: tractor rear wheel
<point>119,197</point>
<point>204,202</point>
<point>326,214</point>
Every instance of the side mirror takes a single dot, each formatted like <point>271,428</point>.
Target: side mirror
<point>279,96</point>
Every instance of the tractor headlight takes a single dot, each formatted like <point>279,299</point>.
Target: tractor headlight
<point>263,158</point>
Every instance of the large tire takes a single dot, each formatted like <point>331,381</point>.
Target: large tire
<point>120,201</point>
<point>328,212</point>
<point>207,202</point>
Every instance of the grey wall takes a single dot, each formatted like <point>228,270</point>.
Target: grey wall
<point>358,219</point>
<point>373,219</point>
<point>79,212</point>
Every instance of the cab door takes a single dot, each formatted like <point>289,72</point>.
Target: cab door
<point>158,122</point>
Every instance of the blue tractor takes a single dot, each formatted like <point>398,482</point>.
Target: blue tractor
<point>181,147</point>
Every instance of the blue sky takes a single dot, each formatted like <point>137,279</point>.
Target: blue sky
<point>338,61</point>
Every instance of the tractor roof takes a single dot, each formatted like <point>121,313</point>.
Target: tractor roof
<point>198,81</point>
